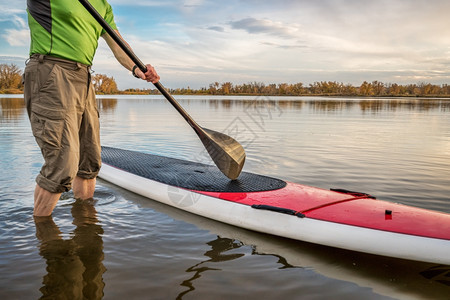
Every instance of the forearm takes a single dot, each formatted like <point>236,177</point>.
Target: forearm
<point>150,75</point>
<point>119,54</point>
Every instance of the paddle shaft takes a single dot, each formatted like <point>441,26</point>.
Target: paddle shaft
<point>139,63</point>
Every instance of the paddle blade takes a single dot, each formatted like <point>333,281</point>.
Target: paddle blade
<point>226,152</point>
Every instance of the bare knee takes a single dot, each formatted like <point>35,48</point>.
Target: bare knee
<point>83,188</point>
<point>44,202</point>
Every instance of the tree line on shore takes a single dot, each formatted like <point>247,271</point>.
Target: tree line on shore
<point>11,83</point>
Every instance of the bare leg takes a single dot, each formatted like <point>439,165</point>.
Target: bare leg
<point>44,202</point>
<point>83,188</point>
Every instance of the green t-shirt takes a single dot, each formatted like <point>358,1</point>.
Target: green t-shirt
<point>65,29</point>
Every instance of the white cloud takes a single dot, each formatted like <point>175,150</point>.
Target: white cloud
<point>17,38</point>
<point>19,22</point>
<point>267,26</point>
<point>11,8</point>
<point>140,2</point>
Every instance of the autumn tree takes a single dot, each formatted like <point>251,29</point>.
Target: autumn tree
<point>10,77</point>
<point>104,84</point>
<point>226,88</point>
<point>366,89</point>
<point>429,89</point>
<point>378,88</point>
<point>213,87</point>
<point>394,89</point>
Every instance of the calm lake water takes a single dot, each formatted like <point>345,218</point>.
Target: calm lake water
<point>123,246</point>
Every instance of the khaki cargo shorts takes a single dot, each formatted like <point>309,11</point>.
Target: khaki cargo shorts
<point>64,119</point>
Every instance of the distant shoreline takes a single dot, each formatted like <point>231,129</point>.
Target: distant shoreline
<point>11,83</point>
<point>19,92</point>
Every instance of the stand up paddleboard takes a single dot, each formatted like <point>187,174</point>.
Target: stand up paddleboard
<point>337,218</point>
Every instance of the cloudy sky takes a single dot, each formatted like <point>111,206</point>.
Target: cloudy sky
<point>197,42</point>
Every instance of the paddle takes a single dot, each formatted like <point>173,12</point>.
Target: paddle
<point>226,152</point>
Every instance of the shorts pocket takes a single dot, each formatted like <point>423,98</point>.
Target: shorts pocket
<point>51,92</point>
<point>47,131</point>
<point>58,88</point>
<point>48,72</point>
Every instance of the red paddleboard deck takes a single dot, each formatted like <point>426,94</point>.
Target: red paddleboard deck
<point>338,218</point>
<point>357,209</point>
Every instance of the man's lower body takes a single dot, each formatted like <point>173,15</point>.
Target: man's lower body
<point>63,114</point>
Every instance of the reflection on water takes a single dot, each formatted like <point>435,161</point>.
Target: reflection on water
<point>106,104</point>
<point>325,105</point>
<point>74,265</point>
<point>338,104</point>
<point>404,104</point>
<point>14,108</point>
<point>439,274</point>
<point>217,254</point>
<point>11,108</point>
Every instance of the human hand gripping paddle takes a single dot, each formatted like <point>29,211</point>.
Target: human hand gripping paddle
<point>226,152</point>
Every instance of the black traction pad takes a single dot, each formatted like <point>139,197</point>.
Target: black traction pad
<point>186,174</point>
